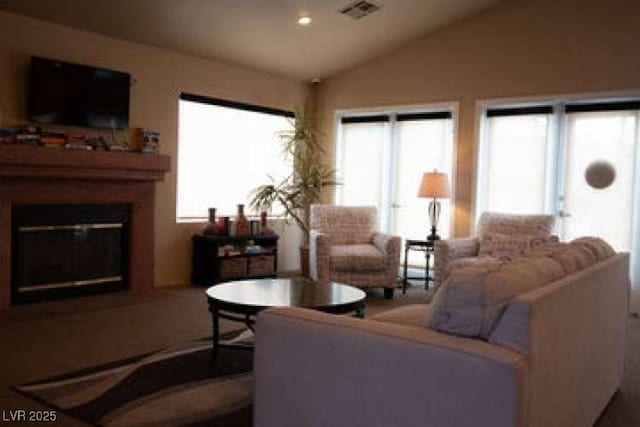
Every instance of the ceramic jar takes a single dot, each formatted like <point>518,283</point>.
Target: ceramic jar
<point>264,228</point>
<point>243,227</point>
<point>211,227</point>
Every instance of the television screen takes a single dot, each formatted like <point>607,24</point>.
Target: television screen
<point>77,95</point>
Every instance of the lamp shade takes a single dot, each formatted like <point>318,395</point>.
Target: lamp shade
<point>434,185</point>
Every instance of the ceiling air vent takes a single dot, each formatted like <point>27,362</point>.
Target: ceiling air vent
<point>359,9</point>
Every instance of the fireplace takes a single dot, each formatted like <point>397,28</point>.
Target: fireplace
<point>68,250</point>
<point>82,183</point>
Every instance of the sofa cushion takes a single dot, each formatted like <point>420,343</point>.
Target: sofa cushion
<point>476,261</point>
<point>577,254</point>
<point>409,315</point>
<point>513,327</point>
<point>472,299</point>
<point>573,258</point>
<point>547,270</point>
<point>546,248</point>
<point>356,258</point>
<point>597,246</point>
<point>512,330</point>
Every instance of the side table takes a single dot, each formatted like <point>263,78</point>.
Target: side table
<point>425,246</point>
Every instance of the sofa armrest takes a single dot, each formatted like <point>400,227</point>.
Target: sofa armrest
<point>449,250</point>
<point>576,332</point>
<point>315,369</point>
<point>319,244</point>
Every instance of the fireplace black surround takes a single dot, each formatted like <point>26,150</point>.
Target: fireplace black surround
<point>67,250</point>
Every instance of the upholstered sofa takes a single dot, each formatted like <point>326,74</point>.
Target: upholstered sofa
<point>450,254</point>
<point>538,342</point>
<point>345,247</point>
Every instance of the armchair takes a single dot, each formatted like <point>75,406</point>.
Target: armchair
<point>459,252</point>
<point>345,247</point>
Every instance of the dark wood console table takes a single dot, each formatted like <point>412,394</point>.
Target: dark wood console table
<point>210,264</point>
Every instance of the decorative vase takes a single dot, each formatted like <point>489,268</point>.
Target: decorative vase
<point>243,227</point>
<point>264,228</point>
<point>211,227</point>
<point>223,225</point>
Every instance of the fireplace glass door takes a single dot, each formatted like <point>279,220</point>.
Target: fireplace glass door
<point>68,250</point>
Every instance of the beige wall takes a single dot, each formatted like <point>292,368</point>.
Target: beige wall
<point>159,77</point>
<point>517,48</point>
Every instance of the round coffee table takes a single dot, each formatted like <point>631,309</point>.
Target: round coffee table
<point>242,300</point>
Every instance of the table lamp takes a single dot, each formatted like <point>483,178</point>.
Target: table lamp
<point>434,185</point>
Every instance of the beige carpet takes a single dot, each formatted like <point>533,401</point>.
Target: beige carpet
<point>39,341</point>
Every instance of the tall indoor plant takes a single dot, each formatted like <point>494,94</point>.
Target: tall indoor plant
<point>303,187</point>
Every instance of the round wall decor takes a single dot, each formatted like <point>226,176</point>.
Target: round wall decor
<point>600,174</point>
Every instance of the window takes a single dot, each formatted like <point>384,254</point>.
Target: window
<point>380,161</point>
<point>361,160</point>
<point>225,150</point>
<point>513,158</point>
<point>529,166</point>
<point>423,143</point>
<point>578,160</point>
<point>606,138</point>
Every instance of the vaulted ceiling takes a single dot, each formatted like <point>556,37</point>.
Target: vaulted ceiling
<point>261,34</point>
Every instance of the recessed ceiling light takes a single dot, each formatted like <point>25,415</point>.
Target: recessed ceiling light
<point>304,20</point>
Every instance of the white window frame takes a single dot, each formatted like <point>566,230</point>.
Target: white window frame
<point>481,156</point>
<point>560,135</point>
<point>557,144</point>
<point>385,216</point>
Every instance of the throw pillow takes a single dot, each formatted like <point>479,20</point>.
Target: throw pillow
<point>470,302</point>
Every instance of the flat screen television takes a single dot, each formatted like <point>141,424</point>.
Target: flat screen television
<point>77,95</point>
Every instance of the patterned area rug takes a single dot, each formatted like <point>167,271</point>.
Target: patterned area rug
<point>173,387</point>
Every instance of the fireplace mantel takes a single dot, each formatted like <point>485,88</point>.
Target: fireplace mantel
<point>38,162</point>
<point>58,176</point>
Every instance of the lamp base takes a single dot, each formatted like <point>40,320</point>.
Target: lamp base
<point>434,216</point>
<point>434,235</point>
